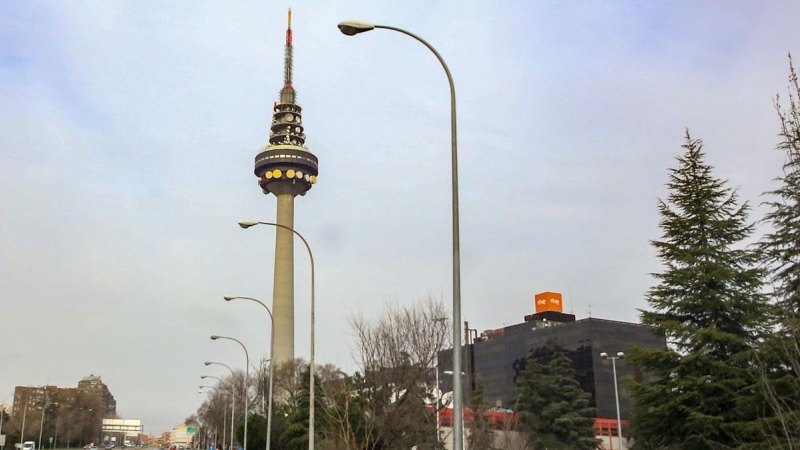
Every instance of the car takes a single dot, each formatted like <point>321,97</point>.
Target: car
<point>109,446</point>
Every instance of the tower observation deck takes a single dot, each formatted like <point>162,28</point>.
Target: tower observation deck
<point>285,168</point>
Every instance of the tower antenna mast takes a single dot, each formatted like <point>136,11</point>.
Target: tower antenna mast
<point>288,54</point>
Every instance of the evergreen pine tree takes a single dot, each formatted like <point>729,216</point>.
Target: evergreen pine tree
<point>256,431</point>
<point>709,306</point>
<point>780,355</point>
<point>410,423</point>
<point>481,436</point>
<point>552,408</point>
<point>295,435</point>
<point>781,248</point>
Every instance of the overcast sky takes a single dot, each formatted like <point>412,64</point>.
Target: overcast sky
<point>128,132</point>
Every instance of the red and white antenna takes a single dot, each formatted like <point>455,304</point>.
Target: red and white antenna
<point>287,62</point>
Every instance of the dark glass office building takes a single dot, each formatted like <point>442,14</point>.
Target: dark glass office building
<point>497,357</point>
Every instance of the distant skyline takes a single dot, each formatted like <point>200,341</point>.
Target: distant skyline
<point>126,161</point>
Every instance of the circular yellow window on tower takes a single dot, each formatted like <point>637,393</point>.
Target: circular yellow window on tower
<point>313,179</point>
<point>290,173</point>
<point>268,175</point>
<point>277,173</point>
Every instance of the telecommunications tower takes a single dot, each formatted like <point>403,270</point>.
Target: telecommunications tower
<point>285,168</point>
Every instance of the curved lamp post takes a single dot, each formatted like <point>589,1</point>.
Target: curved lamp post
<point>201,387</point>
<point>24,413</point>
<point>271,355</point>
<point>248,224</point>
<point>233,396</point>
<point>223,414</point>
<point>224,425</point>
<point>351,28</point>
<point>41,424</point>
<point>246,379</point>
<point>614,359</point>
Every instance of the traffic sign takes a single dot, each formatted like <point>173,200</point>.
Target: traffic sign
<point>191,430</point>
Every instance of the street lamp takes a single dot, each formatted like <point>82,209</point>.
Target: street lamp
<point>246,378</point>
<point>351,28</point>
<point>247,224</point>
<point>224,425</point>
<point>271,355</point>
<point>24,413</point>
<point>224,412</point>
<point>614,359</point>
<point>214,388</point>
<point>54,440</point>
<point>83,424</point>
<point>41,423</point>
<point>233,397</point>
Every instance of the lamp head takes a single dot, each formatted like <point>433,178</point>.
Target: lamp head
<point>620,355</point>
<point>207,363</point>
<point>214,337</point>
<point>229,297</point>
<point>352,27</point>
<point>203,376</point>
<point>604,355</point>
<point>247,224</point>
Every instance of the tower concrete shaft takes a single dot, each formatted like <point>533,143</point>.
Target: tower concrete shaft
<point>285,168</point>
<point>283,284</point>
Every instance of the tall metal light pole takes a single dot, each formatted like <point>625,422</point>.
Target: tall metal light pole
<point>224,414</point>
<point>248,224</point>
<point>233,396</point>
<point>246,379</point>
<point>41,424</point>
<point>351,28</point>
<point>24,413</point>
<point>614,359</point>
<point>224,425</point>
<point>83,424</point>
<point>271,355</point>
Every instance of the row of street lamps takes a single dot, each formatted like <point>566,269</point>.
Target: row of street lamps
<point>352,28</point>
<point>245,225</point>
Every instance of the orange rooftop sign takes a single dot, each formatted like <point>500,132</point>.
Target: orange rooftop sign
<point>548,301</point>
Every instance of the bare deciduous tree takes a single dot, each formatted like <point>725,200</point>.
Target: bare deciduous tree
<point>384,405</point>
